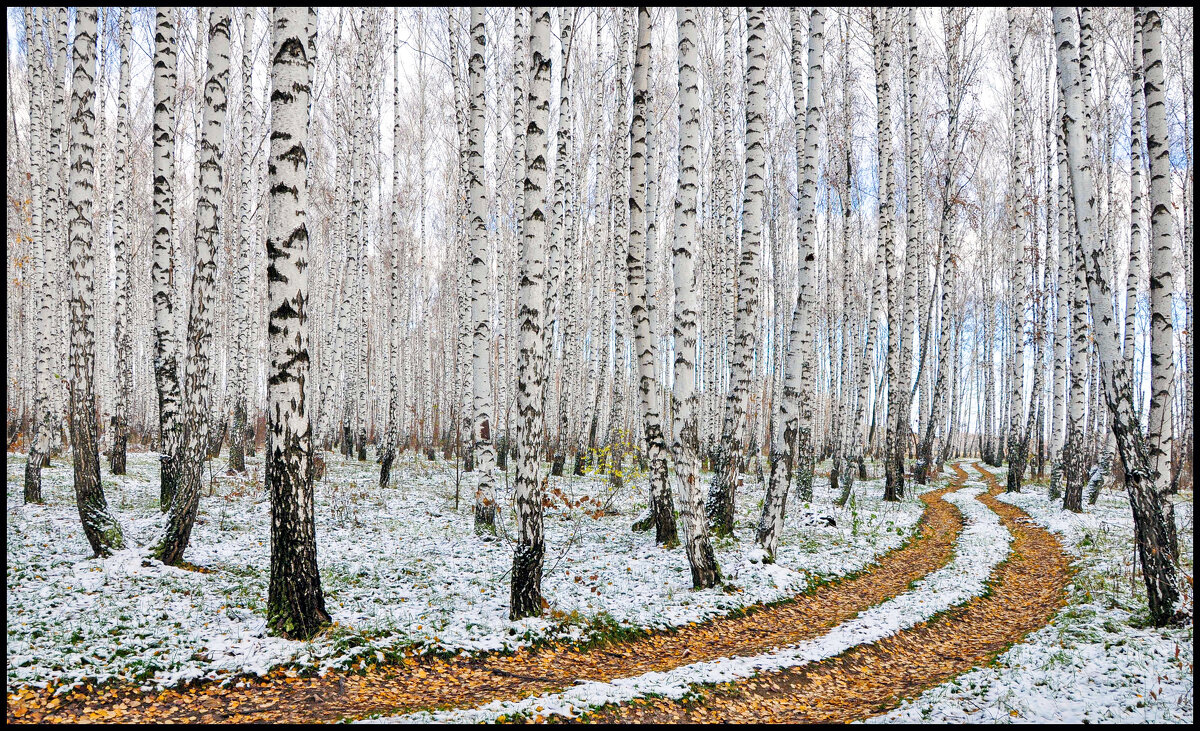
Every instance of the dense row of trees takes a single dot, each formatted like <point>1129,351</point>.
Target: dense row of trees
<point>904,234</point>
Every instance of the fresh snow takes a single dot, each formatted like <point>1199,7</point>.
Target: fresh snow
<point>402,570</point>
<point>982,545</point>
<point>1091,664</point>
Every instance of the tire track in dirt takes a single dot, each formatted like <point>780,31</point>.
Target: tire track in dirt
<point>1027,589</point>
<point>430,683</point>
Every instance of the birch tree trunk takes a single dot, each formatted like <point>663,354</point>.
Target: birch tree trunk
<point>1064,304</point>
<point>295,602</point>
<point>99,525</point>
<point>893,449</point>
<point>237,440</point>
<point>1162,286</point>
<point>638,256</point>
<point>728,462</point>
<point>793,413</point>
<point>197,383</point>
<point>44,195</point>
<point>685,429</point>
<point>954,21</point>
<point>526,595</point>
<point>1151,530</point>
<point>390,445</point>
<point>481,306</point>
<point>1019,242</point>
<point>123,366</point>
<point>166,348</point>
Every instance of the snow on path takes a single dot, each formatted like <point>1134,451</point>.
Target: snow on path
<point>982,545</point>
<point>1090,664</point>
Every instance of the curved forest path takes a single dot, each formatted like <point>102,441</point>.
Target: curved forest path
<point>435,683</point>
<point>1027,589</point>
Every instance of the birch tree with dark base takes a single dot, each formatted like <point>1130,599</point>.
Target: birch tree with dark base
<point>728,459</point>
<point>685,429</point>
<point>525,598</point>
<point>191,456</point>
<point>295,603</point>
<point>101,528</point>
<point>122,256</point>
<point>1162,286</point>
<point>166,349</point>
<point>1150,528</point>
<point>793,413</point>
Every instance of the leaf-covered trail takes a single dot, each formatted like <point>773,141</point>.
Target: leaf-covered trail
<point>437,683</point>
<point>1027,590</point>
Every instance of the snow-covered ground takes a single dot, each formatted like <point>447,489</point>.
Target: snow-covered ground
<point>1097,662</point>
<point>402,571</point>
<point>981,546</point>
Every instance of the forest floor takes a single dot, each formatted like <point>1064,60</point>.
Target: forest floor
<point>419,602</point>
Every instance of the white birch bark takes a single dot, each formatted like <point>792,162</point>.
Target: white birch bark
<point>526,589</point>
<point>166,348</point>
<point>100,526</point>
<point>728,462</point>
<point>43,197</point>
<point>893,448</point>
<point>481,305</point>
<point>638,258</point>
<point>295,603</point>
<point>793,413</point>
<point>1162,287</point>
<point>1151,530</point>
<point>685,432</point>
<point>197,380</point>
<point>123,373</point>
<point>1019,246</point>
<point>237,439</point>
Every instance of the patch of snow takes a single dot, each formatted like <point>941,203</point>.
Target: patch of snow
<point>1091,664</point>
<point>402,570</point>
<point>982,545</point>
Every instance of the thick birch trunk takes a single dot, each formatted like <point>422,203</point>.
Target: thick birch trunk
<point>526,589</point>
<point>100,527</point>
<point>197,383</point>
<point>295,603</point>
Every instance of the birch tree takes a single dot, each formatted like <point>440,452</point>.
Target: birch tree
<point>728,462</point>
<point>893,441</point>
<point>237,440</point>
<point>197,382</point>
<point>1151,531</point>
<point>793,416</point>
<point>639,255</point>
<point>295,602</point>
<point>166,349</point>
<point>43,200</point>
<point>1019,243</point>
<point>685,427</point>
<point>1162,287</point>
<point>526,595</point>
<point>101,528</point>
<point>481,304</point>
